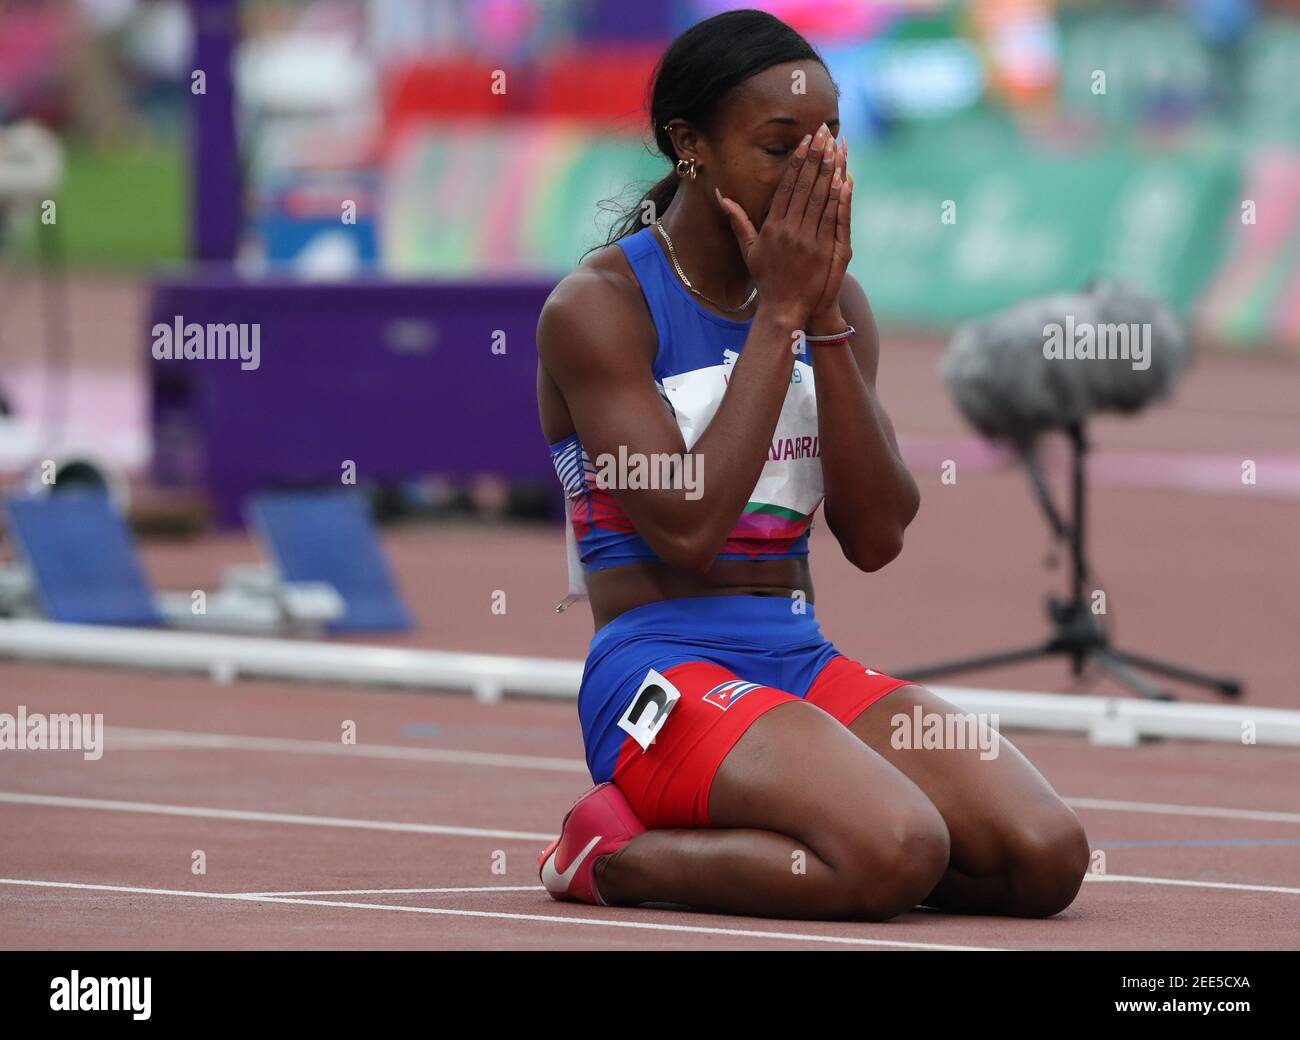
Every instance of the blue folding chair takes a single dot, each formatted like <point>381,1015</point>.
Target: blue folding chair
<point>328,536</point>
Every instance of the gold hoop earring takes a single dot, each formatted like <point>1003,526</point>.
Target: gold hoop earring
<point>686,168</point>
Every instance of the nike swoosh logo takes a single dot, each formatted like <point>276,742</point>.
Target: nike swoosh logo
<point>557,882</point>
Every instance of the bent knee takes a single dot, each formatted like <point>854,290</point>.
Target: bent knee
<point>1049,860</point>
<point>894,869</point>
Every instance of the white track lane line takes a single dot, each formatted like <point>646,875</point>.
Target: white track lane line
<point>1230,885</point>
<point>1216,812</point>
<point>127,739</point>
<point>746,933</point>
<point>1134,878</point>
<point>109,805</point>
<point>57,801</point>
<point>400,891</point>
<point>134,738</point>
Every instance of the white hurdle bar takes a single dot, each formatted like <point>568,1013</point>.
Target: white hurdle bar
<point>225,658</point>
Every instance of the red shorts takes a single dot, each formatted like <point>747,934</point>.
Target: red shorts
<point>668,784</point>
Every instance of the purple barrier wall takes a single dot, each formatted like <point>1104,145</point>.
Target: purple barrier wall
<point>399,377</point>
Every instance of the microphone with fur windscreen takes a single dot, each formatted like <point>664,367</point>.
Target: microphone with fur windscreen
<point>1049,363</point>
<point>1046,366</point>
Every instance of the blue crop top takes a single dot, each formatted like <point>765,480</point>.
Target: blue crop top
<point>691,369</point>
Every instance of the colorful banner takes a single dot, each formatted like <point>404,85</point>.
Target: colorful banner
<point>954,222</point>
<point>1254,298</point>
<point>950,222</point>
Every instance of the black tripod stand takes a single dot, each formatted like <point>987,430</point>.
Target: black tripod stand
<point>1075,630</point>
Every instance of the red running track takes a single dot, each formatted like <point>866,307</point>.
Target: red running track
<point>313,843</point>
<point>1201,842</point>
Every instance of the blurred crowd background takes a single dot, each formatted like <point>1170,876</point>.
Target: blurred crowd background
<point>1082,138</point>
<point>493,142</point>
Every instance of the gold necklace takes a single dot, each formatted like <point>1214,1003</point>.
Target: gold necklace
<point>687,282</point>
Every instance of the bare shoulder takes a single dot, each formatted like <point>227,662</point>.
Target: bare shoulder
<point>597,310</point>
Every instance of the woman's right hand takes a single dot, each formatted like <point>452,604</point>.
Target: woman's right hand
<point>790,257</point>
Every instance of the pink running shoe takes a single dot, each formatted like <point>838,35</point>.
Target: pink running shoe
<point>600,822</point>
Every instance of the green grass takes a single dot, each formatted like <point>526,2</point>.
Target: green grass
<point>119,209</point>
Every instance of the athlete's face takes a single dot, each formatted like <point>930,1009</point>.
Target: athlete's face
<point>762,124</point>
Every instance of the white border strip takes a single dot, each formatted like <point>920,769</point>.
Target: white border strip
<point>226,658</point>
<point>1123,721</point>
<point>1112,720</point>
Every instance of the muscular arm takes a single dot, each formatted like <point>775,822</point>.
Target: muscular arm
<point>595,342</point>
<point>870,495</point>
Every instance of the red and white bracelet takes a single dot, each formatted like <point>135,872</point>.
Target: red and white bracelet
<point>835,339</point>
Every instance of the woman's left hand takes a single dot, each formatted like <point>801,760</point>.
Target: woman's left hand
<point>826,317</point>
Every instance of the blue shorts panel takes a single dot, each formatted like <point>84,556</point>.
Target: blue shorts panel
<point>769,640</point>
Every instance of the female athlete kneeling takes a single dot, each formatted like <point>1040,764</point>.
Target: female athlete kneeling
<point>742,763</point>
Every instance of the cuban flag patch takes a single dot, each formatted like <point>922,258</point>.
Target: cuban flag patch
<point>724,695</point>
